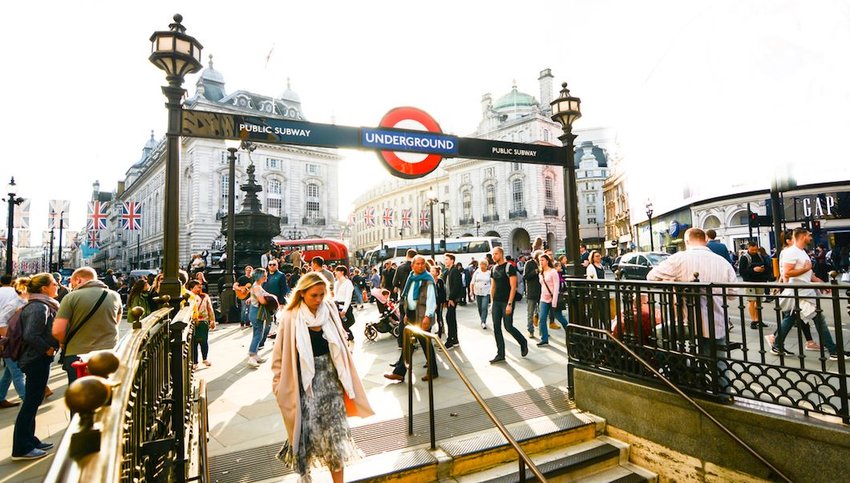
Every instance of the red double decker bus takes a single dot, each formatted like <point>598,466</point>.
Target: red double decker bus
<point>332,251</point>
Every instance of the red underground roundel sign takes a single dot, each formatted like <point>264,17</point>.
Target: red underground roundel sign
<point>410,142</point>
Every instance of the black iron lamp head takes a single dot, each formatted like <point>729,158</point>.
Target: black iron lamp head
<point>566,109</point>
<point>175,52</point>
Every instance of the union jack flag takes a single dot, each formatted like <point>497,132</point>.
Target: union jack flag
<point>97,216</point>
<point>131,215</point>
<point>423,220</point>
<point>406,217</point>
<point>93,239</point>
<point>369,216</point>
<point>389,215</point>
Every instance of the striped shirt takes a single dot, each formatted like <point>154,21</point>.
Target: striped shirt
<point>700,261</point>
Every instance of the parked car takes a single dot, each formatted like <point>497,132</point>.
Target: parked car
<point>635,265</point>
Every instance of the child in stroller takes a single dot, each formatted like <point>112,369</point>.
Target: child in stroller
<point>388,316</point>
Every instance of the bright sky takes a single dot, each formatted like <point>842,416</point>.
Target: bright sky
<point>712,94</point>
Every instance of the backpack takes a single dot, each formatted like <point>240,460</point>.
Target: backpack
<point>12,344</point>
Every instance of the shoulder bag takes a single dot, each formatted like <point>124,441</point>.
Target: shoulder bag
<point>561,303</point>
<point>83,322</point>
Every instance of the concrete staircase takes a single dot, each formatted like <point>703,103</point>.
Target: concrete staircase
<point>567,446</point>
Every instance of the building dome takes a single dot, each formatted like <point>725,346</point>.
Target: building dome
<point>210,74</point>
<point>289,94</point>
<point>515,98</point>
<point>211,83</point>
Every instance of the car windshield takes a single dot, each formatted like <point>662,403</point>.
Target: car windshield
<point>656,258</point>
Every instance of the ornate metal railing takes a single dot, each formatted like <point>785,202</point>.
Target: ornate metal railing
<point>513,215</point>
<point>135,414</point>
<point>701,338</point>
<point>490,218</point>
<point>550,212</point>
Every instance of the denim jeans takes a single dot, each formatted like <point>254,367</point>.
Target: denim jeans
<point>704,349</point>
<point>483,302</point>
<point>788,319</point>
<point>24,439</point>
<point>244,312</point>
<point>257,327</point>
<point>531,308</point>
<point>545,308</point>
<point>11,375</point>
<point>499,316</point>
<point>358,296</point>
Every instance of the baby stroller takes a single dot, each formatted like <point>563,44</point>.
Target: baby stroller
<point>388,316</point>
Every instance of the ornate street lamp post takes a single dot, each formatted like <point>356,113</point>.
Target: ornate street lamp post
<point>649,216</point>
<point>566,109</point>
<point>10,239</point>
<point>177,54</point>
<point>231,215</point>
<point>477,227</point>
<point>432,199</point>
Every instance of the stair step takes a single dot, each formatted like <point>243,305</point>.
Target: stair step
<point>625,473</point>
<point>472,453</point>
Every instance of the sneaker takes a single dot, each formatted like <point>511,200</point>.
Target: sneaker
<point>259,359</point>
<point>484,325</point>
<point>531,335</point>
<point>497,359</point>
<point>542,343</point>
<point>44,446</point>
<point>784,352</point>
<point>756,325</point>
<point>253,362</point>
<point>833,356</point>
<point>524,350</point>
<point>261,347</point>
<point>812,346</point>
<point>32,455</point>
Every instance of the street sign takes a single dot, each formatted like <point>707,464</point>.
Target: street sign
<point>269,130</point>
<point>429,146</point>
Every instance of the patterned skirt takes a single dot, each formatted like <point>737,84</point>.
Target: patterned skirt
<point>325,435</point>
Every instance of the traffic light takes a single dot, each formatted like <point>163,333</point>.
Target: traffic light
<point>754,220</point>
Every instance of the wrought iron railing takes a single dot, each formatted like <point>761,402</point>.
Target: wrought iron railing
<point>674,327</point>
<point>413,330</point>
<point>134,418</point>
<point>513,215</point>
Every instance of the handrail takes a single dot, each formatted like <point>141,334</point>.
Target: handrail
<point>417,331</point>
<point>646,365</point>
<point>73,464</point>
<point>203,431</point>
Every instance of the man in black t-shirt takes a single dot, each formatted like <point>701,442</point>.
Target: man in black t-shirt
<point>502,292</point>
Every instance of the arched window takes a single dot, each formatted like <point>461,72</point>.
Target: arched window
<point>313,207</point>
<point>467,204</point>
<point>490,192</point>
<point>517,202</point>
<point>711,223</point>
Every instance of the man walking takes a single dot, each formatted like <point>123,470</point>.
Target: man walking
<point>797,268</point>
<point>502,293</point>
<point>717,246</point>
<point>318,265</point>
<point>419,302</point>
<point>277,286</point>
<point>455,292</point>
<point>753,268</point>
<point>87,319</point>
<point>531,276</point>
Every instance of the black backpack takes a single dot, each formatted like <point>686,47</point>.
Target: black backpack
<point>12,345</point>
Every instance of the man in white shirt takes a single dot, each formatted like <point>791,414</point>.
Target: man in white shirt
<point>343,291</point>
<point>698,259</point>
<point>796,266</point>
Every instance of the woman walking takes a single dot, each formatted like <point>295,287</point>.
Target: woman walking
<point>138,297</point>
<point>37,353</point>
<point>204,319</point>
<point>595,270</point>
<point>257,315</point>
<point>481,288</point>
<point>315,382</point>
<point>550,283</point>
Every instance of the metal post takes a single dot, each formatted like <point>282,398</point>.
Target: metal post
<point>750,220</point>
<point>61,227</point>
<point>231,214</point>
<point>574,268</point>
<point>9,233</point>
<point>138,251</point>
<point>431,206</point>
<point>170,284</point>
<point>178,397</point>
<point>651,238</point>
<point>778,235</point>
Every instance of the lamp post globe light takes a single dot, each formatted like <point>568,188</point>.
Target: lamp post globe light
<point>649,216</point>
<point>177,54</point>
<point>566,109</point>
<point>432,199</point>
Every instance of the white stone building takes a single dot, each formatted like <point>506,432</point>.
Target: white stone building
<point>300,184</point>
<point>514,201</point>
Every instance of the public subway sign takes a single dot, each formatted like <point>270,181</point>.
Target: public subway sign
<point>409,141</point>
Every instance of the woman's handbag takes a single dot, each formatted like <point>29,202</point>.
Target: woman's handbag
<point>562,298</point>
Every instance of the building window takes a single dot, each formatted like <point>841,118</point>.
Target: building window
<point>489,172</point>
<point>591,221</point>
<point>516,195</point>
<point>591,209</point>
<point>274,187</point>
<point>545,134</point>
<point>274,206</point>
<point>516,166</point>
<point>313,204</point>
<point>225,154</point>
<point>491,199</point>
<point>312,168</point>
<point>549,191</point>
<point>465,178</point>
<point>273,163</point>
<point>467,204</point>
